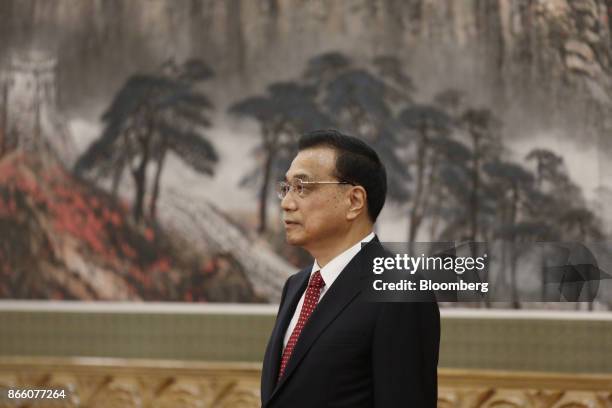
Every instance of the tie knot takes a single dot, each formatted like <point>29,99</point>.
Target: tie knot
<point>316,280</point>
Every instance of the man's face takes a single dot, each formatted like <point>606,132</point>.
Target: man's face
<point>319,216</point>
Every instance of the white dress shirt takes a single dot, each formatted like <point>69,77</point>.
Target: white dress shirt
<point>329,273</point>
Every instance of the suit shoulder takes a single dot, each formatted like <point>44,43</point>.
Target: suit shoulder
<point>299,274</point>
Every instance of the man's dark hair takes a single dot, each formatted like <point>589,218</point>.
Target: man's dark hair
<point>356,163</point>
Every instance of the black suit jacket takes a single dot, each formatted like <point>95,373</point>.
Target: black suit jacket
<point>353,352</point>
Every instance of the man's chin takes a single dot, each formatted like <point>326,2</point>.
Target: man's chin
<point>293,239</point>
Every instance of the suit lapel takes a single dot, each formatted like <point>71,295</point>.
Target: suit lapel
<point>294,292</point>
<point>346,287</point>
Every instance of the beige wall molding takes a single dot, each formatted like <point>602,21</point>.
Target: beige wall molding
<point>122,383</point>
<point>478,339</point>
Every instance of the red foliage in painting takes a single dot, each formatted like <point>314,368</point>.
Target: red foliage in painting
<point>67,228</point>
<point>4,209</point>
<point>149,235</point>
<point>140,277</point>
<point>110,216</point>
<point>161,265</point>
<point>209,266</point>
<point>8,172</point>
<point>99,223</point>
<point>74,216</point>
<point>128,250</point>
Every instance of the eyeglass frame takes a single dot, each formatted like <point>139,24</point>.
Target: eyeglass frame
<point>282,184</point>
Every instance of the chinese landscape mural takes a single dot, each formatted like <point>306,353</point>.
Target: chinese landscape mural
<point>140,146</point>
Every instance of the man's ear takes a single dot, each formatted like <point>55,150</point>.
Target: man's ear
<point>357,202</point>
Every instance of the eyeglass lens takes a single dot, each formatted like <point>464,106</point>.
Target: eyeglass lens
<point>284,188</point>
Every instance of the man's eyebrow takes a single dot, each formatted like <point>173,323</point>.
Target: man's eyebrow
<point>301,176</point>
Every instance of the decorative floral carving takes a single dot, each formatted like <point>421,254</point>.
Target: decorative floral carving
<point>114,383</point>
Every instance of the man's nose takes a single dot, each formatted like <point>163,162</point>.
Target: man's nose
<point>288,202</point>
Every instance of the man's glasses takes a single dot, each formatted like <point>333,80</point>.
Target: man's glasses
<point>300,186</point>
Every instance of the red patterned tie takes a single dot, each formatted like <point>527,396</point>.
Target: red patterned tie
<point>310,301</point>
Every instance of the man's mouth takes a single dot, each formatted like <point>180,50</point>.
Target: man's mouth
<point>288,223</point>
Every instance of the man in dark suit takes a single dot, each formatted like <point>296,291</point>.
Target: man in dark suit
<point>332,346</point>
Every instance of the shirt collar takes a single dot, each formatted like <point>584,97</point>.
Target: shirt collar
<point>332,270</point>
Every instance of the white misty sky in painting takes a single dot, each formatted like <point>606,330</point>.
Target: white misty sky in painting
<point>234,150</point>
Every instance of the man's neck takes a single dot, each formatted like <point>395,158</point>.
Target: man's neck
<point>327,252</point>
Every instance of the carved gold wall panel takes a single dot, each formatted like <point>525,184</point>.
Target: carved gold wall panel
<point>123,383</point>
